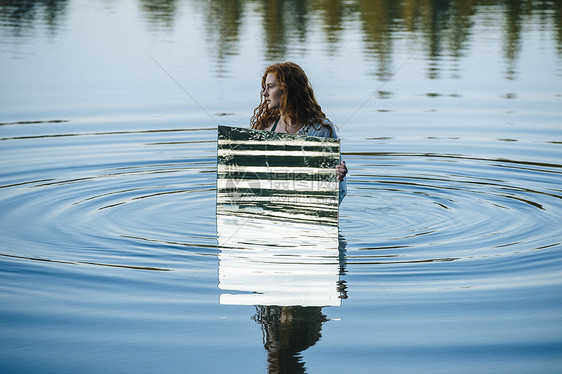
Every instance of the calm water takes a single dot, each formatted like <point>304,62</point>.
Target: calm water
<point>450,254</point>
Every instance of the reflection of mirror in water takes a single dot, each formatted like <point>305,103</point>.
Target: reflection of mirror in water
<point>267,262</point>
<point>289,271</point>
<point>278,236</point>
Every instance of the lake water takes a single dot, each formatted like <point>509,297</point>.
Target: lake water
<point>449,257</point>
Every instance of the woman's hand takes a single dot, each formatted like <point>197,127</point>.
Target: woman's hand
<point>341,171</point>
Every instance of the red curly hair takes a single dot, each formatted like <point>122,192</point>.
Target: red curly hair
<point>297,101</point>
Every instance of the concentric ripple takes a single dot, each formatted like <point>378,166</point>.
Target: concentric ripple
<point>106,233</point>
<point>134,198</point>
<point>488,215</point>
<point>146,198</point>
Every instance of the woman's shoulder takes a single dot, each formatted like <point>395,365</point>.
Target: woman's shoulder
<point>325,129</point>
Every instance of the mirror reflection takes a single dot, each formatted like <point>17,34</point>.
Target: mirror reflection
<point>277,230</point>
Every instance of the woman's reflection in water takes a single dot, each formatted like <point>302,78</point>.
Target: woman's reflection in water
<point>289,330</point>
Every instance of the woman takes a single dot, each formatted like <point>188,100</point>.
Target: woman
<point>288,106</point>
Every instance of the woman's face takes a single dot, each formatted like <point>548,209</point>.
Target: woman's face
<point>272,92</point>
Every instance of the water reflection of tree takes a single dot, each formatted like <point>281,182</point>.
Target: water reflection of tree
<point>23,15</point>
<point>512,35</point>
<point>331,14</point>
<point>461,21</point>
<point>223,19</point>
<point>443,26</point>
<point>283,21</point>
<point>161,13</point>
<point>557,19</point>
<point>378,22</point>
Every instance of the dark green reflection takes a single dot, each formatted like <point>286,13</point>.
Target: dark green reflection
<point>160,13</point>
<point>284,22</point>
<point>378,22</point>
<point>512,35</point>
<point>20,16</point>
<point>442,29</point>
<point>223,19</point>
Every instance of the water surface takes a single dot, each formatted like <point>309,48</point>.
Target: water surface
<point>449,245</point>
